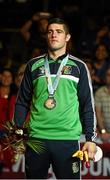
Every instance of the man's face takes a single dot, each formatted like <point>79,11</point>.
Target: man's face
<point>57,37</point>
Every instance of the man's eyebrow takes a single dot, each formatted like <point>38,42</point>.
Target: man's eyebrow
<point>55,29</point>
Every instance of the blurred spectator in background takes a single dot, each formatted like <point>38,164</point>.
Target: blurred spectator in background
<point>103,35</point>
<point>34,32</point>
<point>6,60</point>
<point>18,80</point>
<point>6,91</point>
<point>35,52</point>
<point>101,63</point>
<point>18,50</point>
<point>30,40</point>
<point>19,75</point>
<point>0,75</point>
<point>102,103</point>
<point>87,38</point>
<point>89,62</point>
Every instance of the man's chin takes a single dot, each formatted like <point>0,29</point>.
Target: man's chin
<point>54,48</point>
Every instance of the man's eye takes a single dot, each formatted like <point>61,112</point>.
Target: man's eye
<point>59,31</point>
<point>49,32</point>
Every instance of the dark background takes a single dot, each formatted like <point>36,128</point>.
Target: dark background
<point>80,14</point>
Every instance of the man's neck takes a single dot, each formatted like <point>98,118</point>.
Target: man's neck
<point>55,54</point>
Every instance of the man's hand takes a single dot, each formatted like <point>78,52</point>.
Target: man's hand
<point>91,149</point>
<point>82,155</point>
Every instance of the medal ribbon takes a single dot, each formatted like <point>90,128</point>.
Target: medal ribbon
<point>53,86</point>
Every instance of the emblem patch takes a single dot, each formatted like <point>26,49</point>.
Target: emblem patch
<point>42,70</point>
<point>75,167</point>
<point>67,69</point>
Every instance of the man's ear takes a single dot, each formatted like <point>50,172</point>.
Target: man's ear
<point>68,36</point>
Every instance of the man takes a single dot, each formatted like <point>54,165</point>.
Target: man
<point>57,86</point>
<point>102,103</point>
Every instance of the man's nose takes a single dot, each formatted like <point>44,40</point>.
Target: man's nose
<point>54,34</point>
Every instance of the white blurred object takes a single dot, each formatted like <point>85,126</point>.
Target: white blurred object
<point>44,14</point>
<point>98,154</point>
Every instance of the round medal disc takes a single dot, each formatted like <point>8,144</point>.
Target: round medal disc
<point>50,103</point>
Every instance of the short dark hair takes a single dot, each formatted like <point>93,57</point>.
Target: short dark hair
<point>59,21</point>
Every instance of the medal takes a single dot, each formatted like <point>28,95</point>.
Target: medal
<point>50,103</point>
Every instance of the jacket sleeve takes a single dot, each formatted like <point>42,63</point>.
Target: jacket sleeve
<point>86,104</point>
<point>24,98</point>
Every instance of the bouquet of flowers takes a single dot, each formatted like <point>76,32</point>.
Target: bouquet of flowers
<point>16,139</point>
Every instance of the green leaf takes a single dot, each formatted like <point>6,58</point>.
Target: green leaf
<point>36,145</point>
